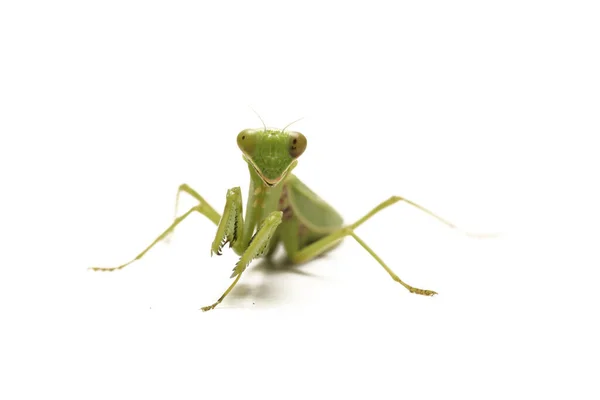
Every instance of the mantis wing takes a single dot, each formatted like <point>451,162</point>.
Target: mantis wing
<point>312,211</point>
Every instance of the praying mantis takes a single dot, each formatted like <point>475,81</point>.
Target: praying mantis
<point>280,209</point>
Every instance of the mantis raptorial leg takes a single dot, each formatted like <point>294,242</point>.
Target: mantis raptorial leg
<point>257,247</point>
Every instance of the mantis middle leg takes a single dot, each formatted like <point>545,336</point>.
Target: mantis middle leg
<point>203,208</point>
<point>208,210</point>
<point>324,244</point>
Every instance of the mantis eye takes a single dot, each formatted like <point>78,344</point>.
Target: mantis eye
<point>297,144</point>
<point>246,141</point>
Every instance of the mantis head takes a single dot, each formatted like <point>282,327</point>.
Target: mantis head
<point>272,153</point>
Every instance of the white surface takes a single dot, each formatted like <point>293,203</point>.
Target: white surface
<point>485,114</point>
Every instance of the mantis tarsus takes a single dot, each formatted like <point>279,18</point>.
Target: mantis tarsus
<point>280,209</point>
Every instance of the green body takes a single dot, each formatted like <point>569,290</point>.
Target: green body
<point>278,202</point>
<point>280,209</point>
<point>306,218</point>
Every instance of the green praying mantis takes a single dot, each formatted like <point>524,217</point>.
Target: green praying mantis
<point>279,209</point>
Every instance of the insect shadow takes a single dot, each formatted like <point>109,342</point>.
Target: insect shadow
<point>268,289</point>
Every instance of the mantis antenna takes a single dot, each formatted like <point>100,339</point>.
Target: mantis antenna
<point>259,117</point>
<point>293,122</point>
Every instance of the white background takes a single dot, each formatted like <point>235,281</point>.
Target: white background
<point>486,114</point>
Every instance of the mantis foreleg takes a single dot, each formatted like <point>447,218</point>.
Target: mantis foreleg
<point>258,246</point>
<point>231,224</point>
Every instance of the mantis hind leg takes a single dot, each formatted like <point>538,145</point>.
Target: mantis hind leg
<point>203,208</point>
<point>331,240</point>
